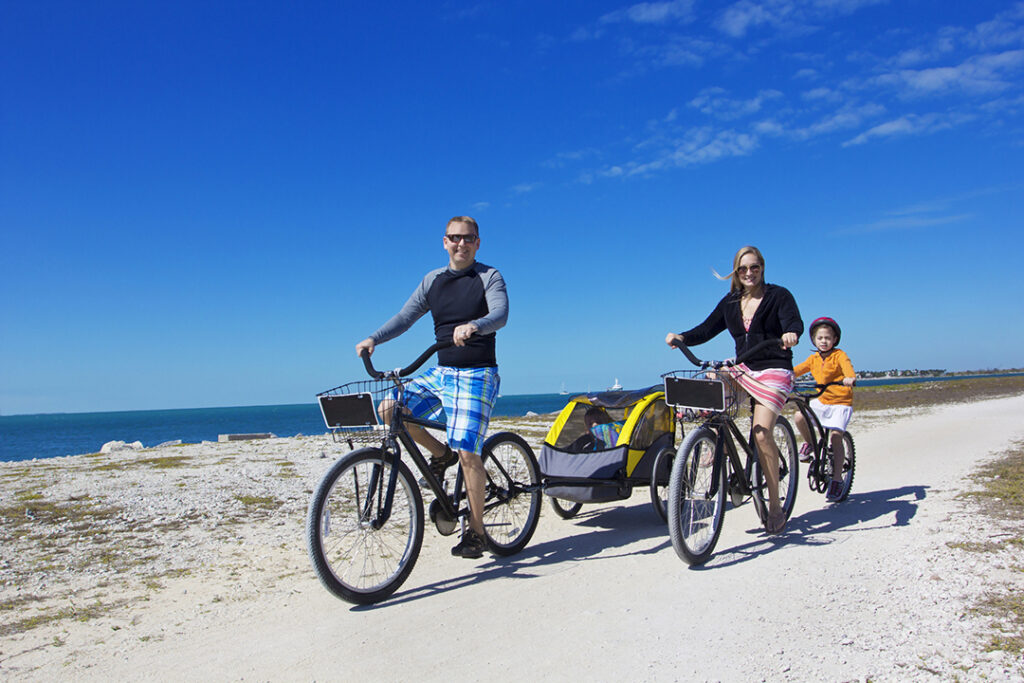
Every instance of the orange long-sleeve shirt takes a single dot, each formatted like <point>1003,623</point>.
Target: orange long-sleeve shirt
<point>832,368</point>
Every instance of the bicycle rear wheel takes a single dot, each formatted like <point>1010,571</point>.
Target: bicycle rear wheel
<point>696,497</point>
<point>512,496</point>
<point>356,555</point>
<point>849,465</point>
<point>785,441</point>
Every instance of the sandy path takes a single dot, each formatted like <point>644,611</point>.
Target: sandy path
<point>865,590</point>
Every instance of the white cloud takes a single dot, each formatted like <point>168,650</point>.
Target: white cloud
<point>977,75</point>
<point>713,102</point>
<point>785,15</point>
<point>563,159</point>
<point>1006,28</point>
<point>523,188</point>
<point>770,127</point>
<point>845,118</point>
<point>480,206</point>
<point>652,13</point>
<point>904,223</point>
<point>822,95</point>
<point>697,146</point>
<point>910,124</point>
<point>736,20</point>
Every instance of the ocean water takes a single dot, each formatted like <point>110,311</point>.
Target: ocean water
<point>23,437</point>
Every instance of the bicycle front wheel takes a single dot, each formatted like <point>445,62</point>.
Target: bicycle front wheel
<point>696,497</point>
<point>849,465</point>
<point>358,554</point>
<point>512,496</point>
<point>785,442</point>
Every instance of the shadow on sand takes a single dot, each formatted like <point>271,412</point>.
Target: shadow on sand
<point>599,530</point>
<point>618,527</point>
<point>813,527</point>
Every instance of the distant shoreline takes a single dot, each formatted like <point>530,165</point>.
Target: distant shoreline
<point>49,435</point>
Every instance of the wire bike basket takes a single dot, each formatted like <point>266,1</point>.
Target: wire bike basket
<point>350,410</point>
<point>700,391</point>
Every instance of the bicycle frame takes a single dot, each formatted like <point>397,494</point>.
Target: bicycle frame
<point>727,436</point>
<point>451,505</point>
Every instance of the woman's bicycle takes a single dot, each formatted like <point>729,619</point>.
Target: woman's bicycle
<point>364,527</point>
<point>707,465</point>
<point>819,469</point>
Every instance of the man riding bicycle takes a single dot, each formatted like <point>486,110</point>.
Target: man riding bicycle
<point>468,303</point>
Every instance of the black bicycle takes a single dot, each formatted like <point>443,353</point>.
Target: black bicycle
<point>820,468</point>
<point>707,464</point>
<point>364,526</point>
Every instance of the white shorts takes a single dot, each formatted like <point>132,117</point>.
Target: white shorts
<point>832,416</point>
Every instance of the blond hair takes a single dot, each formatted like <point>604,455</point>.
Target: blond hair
<point>735,286</point>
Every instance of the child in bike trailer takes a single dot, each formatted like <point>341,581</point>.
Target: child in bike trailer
<point>834,407</point>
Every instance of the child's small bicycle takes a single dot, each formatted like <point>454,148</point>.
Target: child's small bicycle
<point>364,527</point>
<point>819,469</point>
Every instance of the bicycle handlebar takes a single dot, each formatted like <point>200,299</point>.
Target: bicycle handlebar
<point>408,370</point>
<point>819,389</point>
<point>767,343</point>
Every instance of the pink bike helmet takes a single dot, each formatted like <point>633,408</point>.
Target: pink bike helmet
<point>818,322</point>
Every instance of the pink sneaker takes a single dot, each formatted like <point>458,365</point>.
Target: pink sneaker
<point>805,453</point>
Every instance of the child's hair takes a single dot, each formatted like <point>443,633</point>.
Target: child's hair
<point>735,285</point>
<point>597,416</point>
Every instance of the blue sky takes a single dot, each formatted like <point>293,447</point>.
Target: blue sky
<point>208,204</point>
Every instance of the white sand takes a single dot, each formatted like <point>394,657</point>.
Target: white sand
<point>865,590</point>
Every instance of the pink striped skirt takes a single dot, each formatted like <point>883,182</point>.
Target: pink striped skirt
<point>769,387</point>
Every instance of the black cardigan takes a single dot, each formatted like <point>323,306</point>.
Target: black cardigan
<point>776,315</point>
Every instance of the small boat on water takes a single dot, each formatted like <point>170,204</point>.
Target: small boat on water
<point>563,392</point>
<point>616,386</point>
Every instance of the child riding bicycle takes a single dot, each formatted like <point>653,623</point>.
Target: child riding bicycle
<point>834,407</point>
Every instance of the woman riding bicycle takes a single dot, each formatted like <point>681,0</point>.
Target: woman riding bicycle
<point>753,311</point>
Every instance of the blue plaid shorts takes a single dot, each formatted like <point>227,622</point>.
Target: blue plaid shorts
<point>462,398</point>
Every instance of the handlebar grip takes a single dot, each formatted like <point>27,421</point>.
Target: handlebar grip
<point>368,364</point>
<point>687,352</point>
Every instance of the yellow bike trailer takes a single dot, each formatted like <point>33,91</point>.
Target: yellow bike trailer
<point>603,444</point>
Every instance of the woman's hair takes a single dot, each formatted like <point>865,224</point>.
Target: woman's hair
<point>735,286</point>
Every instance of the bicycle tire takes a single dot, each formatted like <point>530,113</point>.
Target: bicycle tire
<point>696,502</point>
<point>512,494</point>
<point>566,509</point>
<point>660,472</point>
<point>353,560</point>
<point>785,441</point>
<point>849,466</point>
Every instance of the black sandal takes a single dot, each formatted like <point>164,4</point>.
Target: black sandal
<point>439,465</point>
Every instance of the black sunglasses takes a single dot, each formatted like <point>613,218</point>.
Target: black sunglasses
<point>470,239</point>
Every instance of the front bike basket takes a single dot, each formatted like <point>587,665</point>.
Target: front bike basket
<point>699,391</point>
<point>350,410</point>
